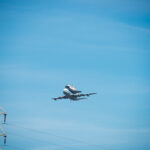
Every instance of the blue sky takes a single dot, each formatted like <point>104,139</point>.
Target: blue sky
<point>97,46</point>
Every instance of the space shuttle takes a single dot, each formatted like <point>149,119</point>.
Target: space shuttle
<point>72,89</point>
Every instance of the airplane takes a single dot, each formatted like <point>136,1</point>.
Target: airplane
<point>71,93</point>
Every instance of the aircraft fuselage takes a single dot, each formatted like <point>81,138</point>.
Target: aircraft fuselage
<point>71,96</point>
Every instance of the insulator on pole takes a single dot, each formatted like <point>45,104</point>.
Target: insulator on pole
<point>5,118</point>
<point>5,139</point>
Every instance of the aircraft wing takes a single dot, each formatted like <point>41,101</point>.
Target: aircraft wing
<point>79,95</point>
<point>61,97</point>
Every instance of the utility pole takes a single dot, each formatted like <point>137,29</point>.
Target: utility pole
<point>2,112</point>
<point>2,132</point>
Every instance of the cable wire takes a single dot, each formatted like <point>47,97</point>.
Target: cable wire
<point>59,136</point>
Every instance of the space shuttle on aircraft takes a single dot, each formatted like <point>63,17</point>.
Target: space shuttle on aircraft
<point>72,89</point>
<point>71,93</point>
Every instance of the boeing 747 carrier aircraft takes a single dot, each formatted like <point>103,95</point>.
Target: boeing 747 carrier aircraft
<point>71,93</point>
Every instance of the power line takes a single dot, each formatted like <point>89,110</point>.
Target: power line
<point>62,137</point>
<point>47,133</point>
<point>14,147</point>
<point>33,139</point>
